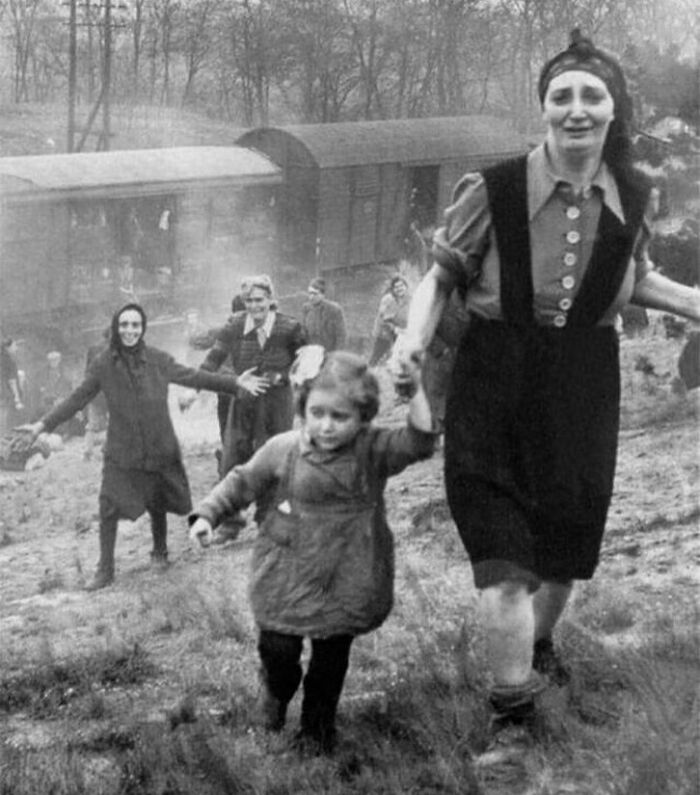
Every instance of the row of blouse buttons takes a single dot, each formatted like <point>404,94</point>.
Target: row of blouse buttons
<point>568,282</point>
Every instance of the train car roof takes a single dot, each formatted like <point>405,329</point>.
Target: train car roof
<point>398,140</point>
<point>133,172</point>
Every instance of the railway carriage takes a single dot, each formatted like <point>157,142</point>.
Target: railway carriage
<point>340,199</point>
<point>351,190</point>
<point>188,219</point>
<point>357,197</point>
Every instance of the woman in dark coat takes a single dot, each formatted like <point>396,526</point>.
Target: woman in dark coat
<point>143,468</point>
<point>547,249</point>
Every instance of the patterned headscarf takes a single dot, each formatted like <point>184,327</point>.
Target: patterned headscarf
<point>581,55</point>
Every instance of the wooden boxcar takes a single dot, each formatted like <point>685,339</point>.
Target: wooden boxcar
<point>351,190</point>
<point>192,221</point>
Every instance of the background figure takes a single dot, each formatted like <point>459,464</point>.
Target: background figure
<point>532,414</point>
<point>143,469</point>
<point>334,580</point>
<point>323,320</point>
<point>97,413</point>
<point>391,318</point>
<point>11,399</point>
<point>126,280</point>
<point>54,386</point>
<point>263,341</point>
<point>201,338</point>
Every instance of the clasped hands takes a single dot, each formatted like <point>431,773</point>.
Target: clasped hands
<point>405,364</point>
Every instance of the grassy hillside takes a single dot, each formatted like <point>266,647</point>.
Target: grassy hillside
<point>150,686</point>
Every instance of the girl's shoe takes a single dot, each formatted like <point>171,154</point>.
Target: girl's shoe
<point>273,711</point>
<point>317,743</point>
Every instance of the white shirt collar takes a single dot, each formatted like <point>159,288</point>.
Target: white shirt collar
<point>248,326</point>
<point>542,182</point>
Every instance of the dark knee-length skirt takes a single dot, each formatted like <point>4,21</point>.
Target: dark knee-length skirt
<point>127,493</point>
<point>531,433</point>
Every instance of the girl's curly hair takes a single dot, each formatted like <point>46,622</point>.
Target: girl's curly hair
<point>350,374</point>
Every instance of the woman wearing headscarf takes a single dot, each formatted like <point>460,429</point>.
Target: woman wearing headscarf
<point>143,469</point>
<point>547,248</point>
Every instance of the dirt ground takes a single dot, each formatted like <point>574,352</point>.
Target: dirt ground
<point>48,544</point>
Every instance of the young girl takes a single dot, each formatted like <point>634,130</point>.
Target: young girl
<point>323,563</point>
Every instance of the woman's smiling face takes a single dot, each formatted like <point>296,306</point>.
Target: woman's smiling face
<point>578,109</point>
<point>130,326</point>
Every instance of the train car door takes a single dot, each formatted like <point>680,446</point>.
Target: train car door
<point>424,195</point>
<point>364,215</point>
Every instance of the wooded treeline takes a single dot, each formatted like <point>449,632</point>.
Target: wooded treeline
<point>259,61</point>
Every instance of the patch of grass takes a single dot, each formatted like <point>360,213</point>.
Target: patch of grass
<point>659,739</point>
<point>626,726</point>
<point>213,608</point>
<point>24,772</point>
<point>45,689</point>
<point>51,581</point>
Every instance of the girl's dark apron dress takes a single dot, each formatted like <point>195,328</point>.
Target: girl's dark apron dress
<point>326,567</point>
<point>533,412</point>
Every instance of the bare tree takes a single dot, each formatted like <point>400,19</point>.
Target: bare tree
<point>318,70</point>
<point>196,39</point>
<point>23,17</point>
<point>164,16</point>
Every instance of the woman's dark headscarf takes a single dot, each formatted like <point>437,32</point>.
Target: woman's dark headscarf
<point>115,342</point>
<point>582,55</point>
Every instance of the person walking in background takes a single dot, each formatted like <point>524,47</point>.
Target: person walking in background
<point>52,387</point>
<point>202,340</point>
<point>143,468</point>
<point>323,562</point>
<point>323,320</point>
<point>263,341</point>
<point>11,401</point>
<point>391,318</point>
<point>97,414</point>
<point>547,248</point>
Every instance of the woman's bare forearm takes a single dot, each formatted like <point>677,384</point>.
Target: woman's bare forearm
<point>427,305</point>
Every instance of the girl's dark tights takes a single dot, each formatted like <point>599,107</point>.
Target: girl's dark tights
<point>280,656</point>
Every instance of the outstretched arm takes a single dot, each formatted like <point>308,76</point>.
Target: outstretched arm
<point>215,382</point>
<point>243,484</point>
<point>419,413</point>
<point>76,401</point>
<point>656,291</point>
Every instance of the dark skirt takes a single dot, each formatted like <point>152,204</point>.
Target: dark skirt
<point>127,493</point>
<point>252,421</point>
<point>531,432</point>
